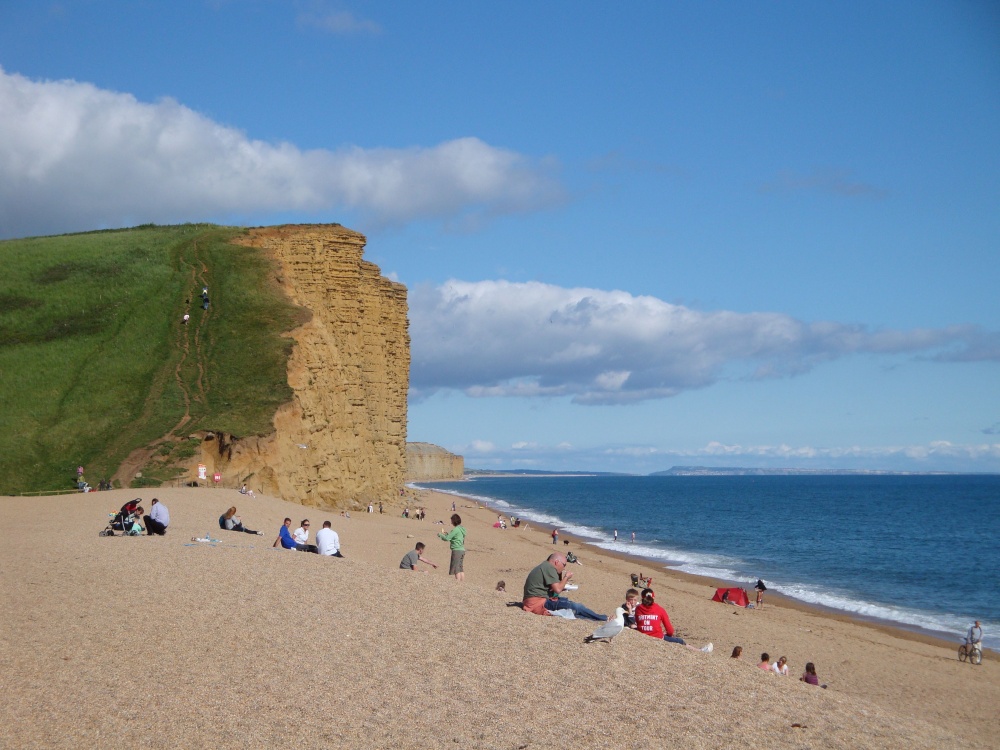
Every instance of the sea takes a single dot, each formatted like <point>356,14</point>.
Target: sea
<point>918,552</point>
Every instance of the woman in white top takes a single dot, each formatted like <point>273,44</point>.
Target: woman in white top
<point>301,534</point>
<point>781,666</point>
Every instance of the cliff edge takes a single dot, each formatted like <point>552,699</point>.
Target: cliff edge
<point>341,442</point>
<point>426,461</point>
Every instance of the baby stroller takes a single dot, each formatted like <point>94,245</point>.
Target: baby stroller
<point>125,520</point>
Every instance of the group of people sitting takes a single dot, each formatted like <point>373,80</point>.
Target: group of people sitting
<point>641,581</point>
<point>327,540</point>
<point>780,667</point>
<point>543,595</point>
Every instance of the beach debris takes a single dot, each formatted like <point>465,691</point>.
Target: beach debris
<point>608,630</point>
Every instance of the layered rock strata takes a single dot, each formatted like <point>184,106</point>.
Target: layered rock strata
<point>341,442</point>
<point>426,461</point>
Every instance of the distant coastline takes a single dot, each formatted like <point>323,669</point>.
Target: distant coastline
<point>716,471</point>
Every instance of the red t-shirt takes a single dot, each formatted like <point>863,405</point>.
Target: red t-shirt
<point>652,620</point>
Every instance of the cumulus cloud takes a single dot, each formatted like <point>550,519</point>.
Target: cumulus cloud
<point>498,338</point>
<point>74,156</point>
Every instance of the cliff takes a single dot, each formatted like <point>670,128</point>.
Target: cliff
<point>341,442</point>
<point>425,461</point>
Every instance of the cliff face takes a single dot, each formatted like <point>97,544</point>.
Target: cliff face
<point>341,442</point>
<point>425,461</point>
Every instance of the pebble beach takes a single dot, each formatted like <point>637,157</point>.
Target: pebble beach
<point>163,642</point>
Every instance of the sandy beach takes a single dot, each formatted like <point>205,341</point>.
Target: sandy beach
<point>164,642</point>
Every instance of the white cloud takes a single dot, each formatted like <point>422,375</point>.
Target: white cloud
<point>342,23</point>
<point>74,157</point>
<point>497,338</point>
<point>644,459</point>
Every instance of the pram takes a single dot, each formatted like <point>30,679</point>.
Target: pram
<point>125,520</point>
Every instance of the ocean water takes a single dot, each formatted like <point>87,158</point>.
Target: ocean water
<point>922,552</point>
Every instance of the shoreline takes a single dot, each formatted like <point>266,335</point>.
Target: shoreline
<point>913,633</point>
<point>243,645</point>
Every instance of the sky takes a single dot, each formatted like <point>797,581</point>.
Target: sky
<point>635,236</point>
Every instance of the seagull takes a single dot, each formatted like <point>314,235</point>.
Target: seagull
<point>608,630</point>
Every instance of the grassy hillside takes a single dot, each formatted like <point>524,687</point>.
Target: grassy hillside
<point>95,361</point>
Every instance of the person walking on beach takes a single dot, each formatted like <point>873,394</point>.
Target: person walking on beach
<point>415,555</point>
<point>544,584</point>
<point>616,535</point>
<point>158,519</point>
<point>633,537</point>
<point>456,538</point>
<point>555,536</point>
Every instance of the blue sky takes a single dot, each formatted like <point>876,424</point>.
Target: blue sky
<point>751,234</point>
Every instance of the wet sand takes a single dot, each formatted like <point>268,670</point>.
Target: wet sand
<point>162,642</point>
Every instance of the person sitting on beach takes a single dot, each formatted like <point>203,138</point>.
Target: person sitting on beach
<point>406,512</point>
<point>737,652</point>
<point>781,666</point>
<point>652,619</point>
<point>573,559</point>
<point>158,519</point>
<point>136,529</point>
<point>244,490</point>
<point>301,534</point>
<point>286,540</point>
<point>765,662</point>
<point>232,522</point>
<point>810,676</point>
<point>631,602</point>
<point>544,584</point>
<point>328,541</point>
<point>415,555</point>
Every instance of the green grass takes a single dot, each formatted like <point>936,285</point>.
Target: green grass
<point>90,339</point>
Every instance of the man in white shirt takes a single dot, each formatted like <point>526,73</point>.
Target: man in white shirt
<point>974,638</point>
<point>328,541</point>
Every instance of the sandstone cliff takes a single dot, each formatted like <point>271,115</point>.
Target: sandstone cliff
<point>341,442</point>
<point>425,461</point>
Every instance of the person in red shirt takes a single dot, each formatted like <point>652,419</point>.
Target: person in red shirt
<point>652,619</point>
